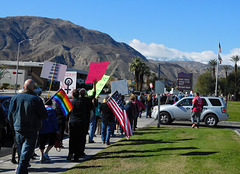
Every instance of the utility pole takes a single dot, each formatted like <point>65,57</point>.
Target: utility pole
<point>158,125</point>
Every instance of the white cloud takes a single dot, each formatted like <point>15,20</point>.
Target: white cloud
<point>154,51</point>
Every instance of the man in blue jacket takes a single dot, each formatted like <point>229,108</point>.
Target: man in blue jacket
<point>26,112</point>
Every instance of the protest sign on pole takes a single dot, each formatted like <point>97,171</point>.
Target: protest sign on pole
<point>120,86</point>
<point>96,71</point>
<point>53,71</point>
<point>99,86</point>
<point>151,85</point>
<point>69,82</point>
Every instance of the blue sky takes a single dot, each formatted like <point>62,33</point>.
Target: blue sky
<point>156,28</point>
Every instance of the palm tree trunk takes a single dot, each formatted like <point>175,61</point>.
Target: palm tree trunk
<point>236,83</point>
<point>141,81</point>
<point>136,80</point>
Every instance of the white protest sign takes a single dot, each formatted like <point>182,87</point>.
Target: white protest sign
<point>50,67</point>
<point>174,91</point>
<point>69,82</point>
<point>120,86</point>
<point>151,85</point>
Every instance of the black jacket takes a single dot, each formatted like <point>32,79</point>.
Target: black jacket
<point>79,111</point>
<point>107,114</point>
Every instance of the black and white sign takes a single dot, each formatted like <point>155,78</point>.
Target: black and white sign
<point>69,82</point>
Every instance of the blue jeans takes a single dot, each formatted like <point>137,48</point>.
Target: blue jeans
<point>26,142</point>
<point>92,127</point>
<point>113,127</point>
<point>148,112</point>
<point>135,120</point>
<point>195,115</point>
<point>106,132</point>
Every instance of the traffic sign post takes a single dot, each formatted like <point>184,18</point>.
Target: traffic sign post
<point>159,89</point>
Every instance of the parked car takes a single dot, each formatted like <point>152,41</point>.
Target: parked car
<point>214,110</point>
<point>37,90</point>
<point>5,101</point>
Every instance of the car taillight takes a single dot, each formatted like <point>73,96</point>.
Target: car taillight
<point>223,109</point>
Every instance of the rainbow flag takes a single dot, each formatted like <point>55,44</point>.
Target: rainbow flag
<point>62,99</point>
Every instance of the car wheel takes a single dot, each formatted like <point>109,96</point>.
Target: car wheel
<point>165,118</point>
<point>211,120</point>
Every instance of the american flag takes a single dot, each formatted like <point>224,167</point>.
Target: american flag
<point>116,104</point>
<point>219,58</point>
<point>220,50</point>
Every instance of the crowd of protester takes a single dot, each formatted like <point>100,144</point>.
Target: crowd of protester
<point>89,116</point>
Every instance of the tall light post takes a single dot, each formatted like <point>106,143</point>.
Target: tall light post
<point>18,53</point>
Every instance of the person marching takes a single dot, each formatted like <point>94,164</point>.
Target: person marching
<point>47,133</point>
<point>26,112</point>
<point>196,110</point>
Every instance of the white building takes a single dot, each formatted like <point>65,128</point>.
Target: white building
<point>32,70</point>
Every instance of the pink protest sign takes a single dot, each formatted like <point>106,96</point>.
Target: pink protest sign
<point>96,71</point>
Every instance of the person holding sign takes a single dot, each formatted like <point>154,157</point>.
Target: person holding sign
<point>79,119</point>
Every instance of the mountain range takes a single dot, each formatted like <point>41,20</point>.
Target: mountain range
<point>66,43</point>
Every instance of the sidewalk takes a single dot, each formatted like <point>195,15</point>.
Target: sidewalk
<point>59,162</point>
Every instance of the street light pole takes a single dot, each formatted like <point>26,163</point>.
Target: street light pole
<point>18,54</point>
<point>159,96</point>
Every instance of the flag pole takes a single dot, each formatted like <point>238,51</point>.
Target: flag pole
<point>216,80</point>
<point>111,95</point>
<point>219,47</point>
<point>52,96</point>
<point>52,80</point>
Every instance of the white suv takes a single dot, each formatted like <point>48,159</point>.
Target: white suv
<point>214,110</point>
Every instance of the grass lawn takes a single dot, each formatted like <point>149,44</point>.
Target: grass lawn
<point>169,150</point>
<point>233,109</point>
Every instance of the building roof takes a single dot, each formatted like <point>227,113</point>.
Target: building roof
<point>27,64</point>
<point>37,64</point>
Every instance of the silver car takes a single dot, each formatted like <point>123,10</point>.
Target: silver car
<point>214,110</point>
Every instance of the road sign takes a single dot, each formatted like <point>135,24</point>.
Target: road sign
<point>184,81</point>
<point>159,87</point>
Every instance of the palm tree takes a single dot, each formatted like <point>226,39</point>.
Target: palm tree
<point>153,78</point>
<point>213,63</point>
<point>135,67</point>
<point>235,59</point>
<point>226,68</point>
<point>147,74</point>
<point>144,70</point>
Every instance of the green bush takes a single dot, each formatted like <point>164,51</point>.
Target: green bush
<point>5,85</point>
